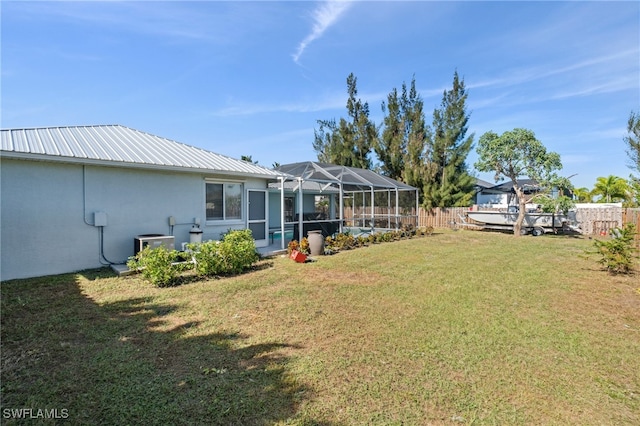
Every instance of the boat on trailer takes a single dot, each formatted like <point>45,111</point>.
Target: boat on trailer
<point>536,223</point>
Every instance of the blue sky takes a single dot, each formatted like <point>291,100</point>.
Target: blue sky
<point>253,78</point>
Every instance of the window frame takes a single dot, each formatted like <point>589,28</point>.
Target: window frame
<point>225,220</point>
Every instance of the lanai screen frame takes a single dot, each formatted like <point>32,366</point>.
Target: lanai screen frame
<point>347,180</point>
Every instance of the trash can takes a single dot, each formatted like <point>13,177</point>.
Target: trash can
<point>195,235</point>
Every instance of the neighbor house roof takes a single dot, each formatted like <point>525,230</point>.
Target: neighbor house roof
<point>121,146</point>
<point>483,184</point>
<point>529,185</point>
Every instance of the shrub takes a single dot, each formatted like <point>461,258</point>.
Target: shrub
<point>616,254</point>
<point>159,266</point>
<point>207,259</point>
<point>361,241</point>
<point>238,250</point>
<point>345,241</point>
<point>232,255</point>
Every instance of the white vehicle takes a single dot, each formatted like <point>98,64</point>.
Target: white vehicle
<point>536,223</point>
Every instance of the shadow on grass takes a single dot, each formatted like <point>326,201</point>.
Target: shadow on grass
<point>133,362</point>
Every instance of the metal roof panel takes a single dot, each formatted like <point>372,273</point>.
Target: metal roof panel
<point>122,145</point>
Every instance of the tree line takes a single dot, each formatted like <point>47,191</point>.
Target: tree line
<point>430,157</point>
<point>433,157</point>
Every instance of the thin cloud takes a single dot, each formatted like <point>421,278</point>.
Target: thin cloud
<point>302,107</point>
<point>324,17</point>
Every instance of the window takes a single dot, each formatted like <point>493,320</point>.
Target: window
<point>224,201</point>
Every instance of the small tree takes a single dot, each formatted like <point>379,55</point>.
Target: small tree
<point>515,154</point>
<point>616,254</point>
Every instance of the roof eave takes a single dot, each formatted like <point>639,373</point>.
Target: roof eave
<point>90,161</point>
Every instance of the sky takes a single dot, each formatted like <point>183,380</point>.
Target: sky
<point>253,78</point>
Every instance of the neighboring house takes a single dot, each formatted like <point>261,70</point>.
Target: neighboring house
<point>479,187</point>
<point>75,198</point>
<point>501,195</point>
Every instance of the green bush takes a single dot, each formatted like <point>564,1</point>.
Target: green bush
<point>345,241</point>
<point>238,250</point>
<point>616,254</point>
<point>206,257</point>
<point>232,255</point>
<point>361,241</point>
<point>159,266</point>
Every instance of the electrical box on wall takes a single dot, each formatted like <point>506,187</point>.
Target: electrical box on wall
<point>99,219</point>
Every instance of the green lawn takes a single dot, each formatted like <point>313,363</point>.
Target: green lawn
<point>456,328</point>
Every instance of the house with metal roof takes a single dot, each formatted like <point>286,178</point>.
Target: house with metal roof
<point>81,197</point>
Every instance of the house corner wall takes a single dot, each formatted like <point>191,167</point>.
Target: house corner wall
<point>47,214</point>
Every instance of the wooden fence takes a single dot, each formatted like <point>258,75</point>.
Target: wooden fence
<point>593,221</point>
<point>441,217</point>
<point>598,221</point>
<point>633,216</point>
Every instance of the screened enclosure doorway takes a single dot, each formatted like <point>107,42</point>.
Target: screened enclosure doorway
<point>257,217</point>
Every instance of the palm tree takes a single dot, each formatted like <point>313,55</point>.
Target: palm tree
<point>611,189</point>
<point>582,195</point>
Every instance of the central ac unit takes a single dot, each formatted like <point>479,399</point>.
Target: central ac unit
<point>153,241</point>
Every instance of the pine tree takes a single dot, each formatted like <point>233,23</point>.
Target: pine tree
<point>392,144</point>
<point>418,133</point>
<point>632,140</point>
<point>401,147</point>
<point>347,143</point>
<point>448,182</point>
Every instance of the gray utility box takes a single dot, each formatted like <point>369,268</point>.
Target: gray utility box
<point>153,241</point>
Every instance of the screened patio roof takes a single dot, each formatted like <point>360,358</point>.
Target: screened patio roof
<point>351,178</point>
<point>364,188</point>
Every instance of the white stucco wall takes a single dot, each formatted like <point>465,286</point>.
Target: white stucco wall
<point>40,234</point>
<point>47,213</point>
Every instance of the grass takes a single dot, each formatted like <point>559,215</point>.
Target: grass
<point>456,328</point>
